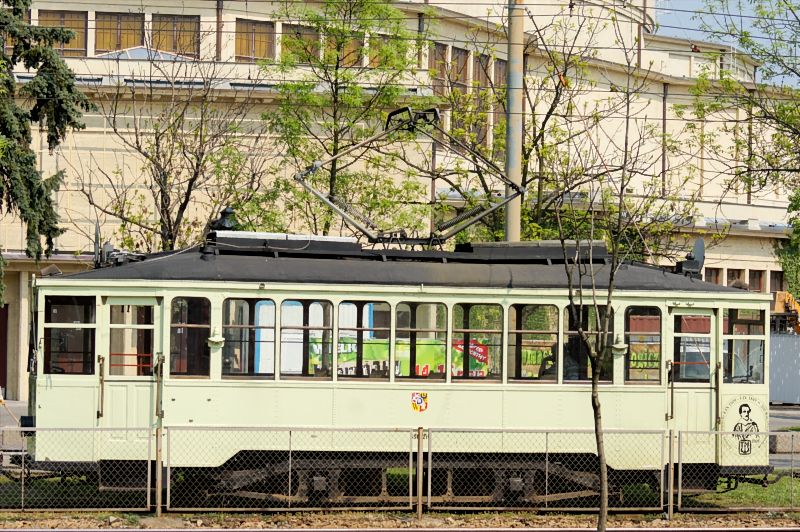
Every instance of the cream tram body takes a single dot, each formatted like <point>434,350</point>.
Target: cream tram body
<point>105,394</point>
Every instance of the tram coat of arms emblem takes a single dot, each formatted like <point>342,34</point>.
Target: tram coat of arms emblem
<point>419,401</point>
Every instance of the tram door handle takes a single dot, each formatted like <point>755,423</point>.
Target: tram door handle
<point>102,361</point>
<point>671,382</point>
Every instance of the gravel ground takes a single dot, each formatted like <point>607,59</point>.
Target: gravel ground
<point>381,520</point>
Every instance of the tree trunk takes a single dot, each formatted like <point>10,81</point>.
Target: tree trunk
<point>602,516</point>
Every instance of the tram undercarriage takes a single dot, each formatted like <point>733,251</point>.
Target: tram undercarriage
<point>324,479</point>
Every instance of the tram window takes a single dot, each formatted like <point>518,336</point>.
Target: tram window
<point>533,342</point>
<point>363,345</point>
<point>69,349</point>
<point>306,334</point>
<point>692,351</point>
<point>421,340</point>
<point>743,346</point>
<point>191,327</point>
<point>577,364</point>
<point>477,350</point>
<point>743,321</point>
<point>130,351</point>
<point>643,336</point>
<point>248,326</point>
<point>69,309</point>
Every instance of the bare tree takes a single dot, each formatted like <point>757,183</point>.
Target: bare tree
<point>190,141</point>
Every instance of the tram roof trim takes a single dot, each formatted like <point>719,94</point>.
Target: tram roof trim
<point>387,267</point>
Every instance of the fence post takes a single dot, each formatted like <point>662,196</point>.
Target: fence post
<point>23,452</point>
<point>420,450</point>
<point>670,477</point>
<point>430,468</point>
<point>159,382</point>
<point>159,478</point>
<point>791,472</point>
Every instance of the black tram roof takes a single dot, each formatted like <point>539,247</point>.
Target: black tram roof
<point>269,260</point>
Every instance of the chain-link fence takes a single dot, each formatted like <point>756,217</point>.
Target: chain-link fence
<point>543,470</point>
<point>221,468</point>
<point>282,469</point>
<point>738,471</point>
<point>82,469</point>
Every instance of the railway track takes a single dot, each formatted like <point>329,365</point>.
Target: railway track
<point>459,529</point>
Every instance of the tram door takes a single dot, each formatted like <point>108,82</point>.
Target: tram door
<point>128,353</point>
<point>692,376</point>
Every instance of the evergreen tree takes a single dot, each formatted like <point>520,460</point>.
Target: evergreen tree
<point>50,99</point>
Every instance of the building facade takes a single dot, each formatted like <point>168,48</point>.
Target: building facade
<point>153,44</point>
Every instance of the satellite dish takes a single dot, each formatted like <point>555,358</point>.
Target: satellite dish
<point>699,253</point>
<point>693,265</point>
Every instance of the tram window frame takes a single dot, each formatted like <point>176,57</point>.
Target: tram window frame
<point>325,369</point>
<point>198,309</point>
<point>572,339</point>
<point>652,338</point>
<point>439,332</point>
<point>679,336</point>
<point>143,326</point>
<point>466,334</point>
<point>518,335</point>
<point>58,331</point>
<point>743,332</point>
<point>250,338</point>
<point>381,336</point>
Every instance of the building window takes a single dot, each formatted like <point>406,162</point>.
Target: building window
<point>189,332</point>
<point>713,275</point>
<point>533,342</point>
<point>255,40</point>
<point>692,349</point>
<point>743,348</point>
<point>363,346</point>
<point>756,281</point>
<point>248,326</point>
<point>577,364</point>
<point>437,65</point>
<point>178,34</point>
<point>643,336</point>
<point>131,330</point>
<point>735,277</point>
<point>118,31</point>
<point>346,50</point>
<point>458,74</point>
<point>776,281</point>
<point>71,20</point>
<point>69,333</point>
<point>8,41</point>
<point>306,333</point>
<point>499,73</point>
<point>421,339</point>
<point>386,52</point>
<point>481,87</point>
<point>477,350</point>
<point>299,44</point>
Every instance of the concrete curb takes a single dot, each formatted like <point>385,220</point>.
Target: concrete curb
<point>782,443</point>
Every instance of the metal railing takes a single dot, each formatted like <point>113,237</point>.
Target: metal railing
<point>302,468</point>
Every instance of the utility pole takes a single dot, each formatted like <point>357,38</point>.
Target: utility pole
<point>516,37</point>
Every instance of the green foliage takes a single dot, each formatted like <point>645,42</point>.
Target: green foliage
<point>330,101</point>
<point>53,102</point>
<point>766,151</point>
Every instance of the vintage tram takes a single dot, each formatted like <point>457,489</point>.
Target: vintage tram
<point>275,331</point>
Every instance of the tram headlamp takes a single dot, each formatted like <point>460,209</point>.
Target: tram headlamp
<point>216,340</point>
<point>619,348</point>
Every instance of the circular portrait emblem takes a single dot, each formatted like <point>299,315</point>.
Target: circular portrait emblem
<point>745,416</point>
